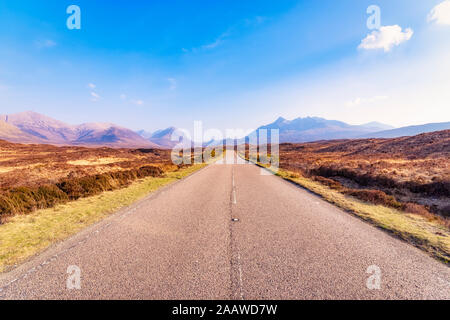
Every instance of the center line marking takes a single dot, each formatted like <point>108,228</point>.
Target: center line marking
<point>240,276</point>
<point>234,188</point>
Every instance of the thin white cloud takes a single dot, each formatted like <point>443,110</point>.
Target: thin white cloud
<point>255,21</point>
<point>91,85</point>
<point>386,38</point>
<point>137,102</point>
<point>440,14</point>
<point>219,40</point>
<point>359,101</point>
<point>95,96</point>
<point>214,44</point>
<point>173,83</point>
<point>47,43</point>
<point>245,23</point>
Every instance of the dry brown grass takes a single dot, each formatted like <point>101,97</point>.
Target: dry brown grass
<point>35,165</point>
<point>412,169</point>
<point>26,235</point>
<point>423,230</point>
<point>34,177</point>
<point>401,185</point>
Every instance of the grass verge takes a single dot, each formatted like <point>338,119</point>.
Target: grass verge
<point>25,235</point>
<point>426,234</point>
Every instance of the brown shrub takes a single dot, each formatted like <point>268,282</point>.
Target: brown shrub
<point>328,182</point>
<point>50,195</point>
<point>150,171</point>
<point>445,211</point>
<point>375,197</point>
<point>22,200</point>
<point>411,207</point>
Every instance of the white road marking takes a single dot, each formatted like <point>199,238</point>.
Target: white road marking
<point>234,187</point>
<point>240,276</point>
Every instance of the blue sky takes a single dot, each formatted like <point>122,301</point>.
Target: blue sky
<point>230,64</point>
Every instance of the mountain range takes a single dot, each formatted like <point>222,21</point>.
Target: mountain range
<point>314,128</point>
<point>32,127</point>
<point>410,130</point>
<point>160,137</point>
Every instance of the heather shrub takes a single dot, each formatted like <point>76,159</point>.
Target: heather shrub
<point>25,199</point>
<point>411,207</point>
<point>375,197</point>
<point>328,182</point>
<point>445,211</point>
<point>49,195</point>
<point>149,171</point>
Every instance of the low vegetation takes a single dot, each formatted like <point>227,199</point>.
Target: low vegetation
<point>423,231</point>
<point>22,200</point>
<point>26,235</point>
<point>401,185</point>
<point>48,193</point>
<point>409,173</point>
<point>34,177</point>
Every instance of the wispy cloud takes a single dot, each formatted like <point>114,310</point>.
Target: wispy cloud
<point>246,23</point>
<point>219,40</point>
<point>255,21</point>
<point>46,43</point>
<point>211,45</point>
<point>95,96</point>
<point>386,38</point>
<point>173,83</point>
<point>137,102</point>
<point>359,101</point>
<point>440,14</point>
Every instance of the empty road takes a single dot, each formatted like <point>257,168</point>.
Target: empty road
<point>228,232</point>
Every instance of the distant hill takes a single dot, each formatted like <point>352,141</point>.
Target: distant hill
<point>409,131</point>
<point>144,134</point>
<point>160,137</point>
<point>41,127</point>
<point>378,126</point>
<point>32,127</point>
<point>314,128</point>
<point>13,134</point>
<point>431,144</point>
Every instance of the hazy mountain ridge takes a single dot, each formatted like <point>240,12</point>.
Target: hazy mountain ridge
<point>32,127</point>
<point>314,128</point>
<point>161,137</point>
<point>410,130</point>
<point>311,129</point>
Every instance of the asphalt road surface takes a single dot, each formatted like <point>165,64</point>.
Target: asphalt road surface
<point>182,243</point>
